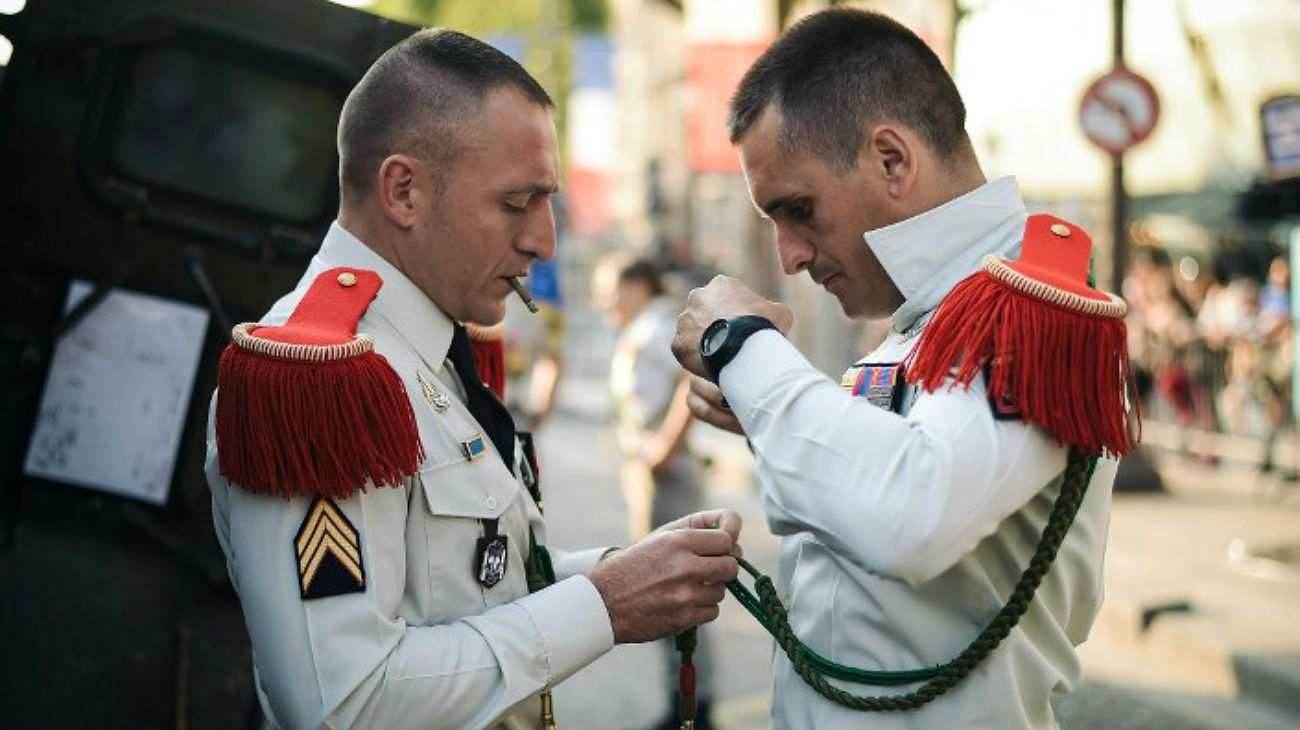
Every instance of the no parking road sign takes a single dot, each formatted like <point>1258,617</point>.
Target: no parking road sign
<point>1119,110</point>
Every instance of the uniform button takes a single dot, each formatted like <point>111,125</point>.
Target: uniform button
<point>347,278</point>
<point>491,502</point>
<point>1061,230</point>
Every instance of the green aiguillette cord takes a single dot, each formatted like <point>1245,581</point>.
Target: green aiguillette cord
<point>764,605</point>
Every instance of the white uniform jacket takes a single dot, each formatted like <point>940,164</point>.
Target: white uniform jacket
<point>903,532</point>
<point>425,645</point>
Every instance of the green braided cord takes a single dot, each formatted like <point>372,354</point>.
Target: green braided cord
<point>538,570</point>
<point>771,614</point>
<point>814,669</point>
<point>686,641</point>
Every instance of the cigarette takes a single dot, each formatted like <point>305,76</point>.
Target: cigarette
<point>523,294</point>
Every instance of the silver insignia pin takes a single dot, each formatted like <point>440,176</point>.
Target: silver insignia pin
<point>433,394</point>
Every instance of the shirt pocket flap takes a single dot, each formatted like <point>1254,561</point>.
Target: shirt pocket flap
<point>480,489</point>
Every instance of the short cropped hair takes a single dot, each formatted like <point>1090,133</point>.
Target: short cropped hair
<point>837,71</point>
<point>418,98</point>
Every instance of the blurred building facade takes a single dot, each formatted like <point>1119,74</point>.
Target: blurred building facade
<point>649,166</point>
<point>1200,187</point>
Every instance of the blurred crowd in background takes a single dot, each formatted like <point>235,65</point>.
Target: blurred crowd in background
<point>1212,343</point>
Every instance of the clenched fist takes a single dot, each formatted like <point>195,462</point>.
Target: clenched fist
<point>672,579</point>
<point>723,297</point>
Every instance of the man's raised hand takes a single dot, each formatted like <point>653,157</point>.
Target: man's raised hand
<point>723,297</point>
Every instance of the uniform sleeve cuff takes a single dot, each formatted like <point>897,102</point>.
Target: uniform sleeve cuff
<point>573,625</point>
<point>569,564</point>
<point>750,374</point>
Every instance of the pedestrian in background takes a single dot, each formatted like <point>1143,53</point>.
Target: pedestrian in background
<point>659,477</point>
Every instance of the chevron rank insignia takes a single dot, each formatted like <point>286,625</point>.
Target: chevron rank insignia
<point>328,551</point>
<point>881,384</point>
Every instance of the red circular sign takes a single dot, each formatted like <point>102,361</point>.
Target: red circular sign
<point>1119,110</point>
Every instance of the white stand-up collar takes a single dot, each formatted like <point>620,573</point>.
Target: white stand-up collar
<point>927,254</point>
<point>399,300</point>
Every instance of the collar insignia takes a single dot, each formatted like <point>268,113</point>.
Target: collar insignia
<point>432,393</point>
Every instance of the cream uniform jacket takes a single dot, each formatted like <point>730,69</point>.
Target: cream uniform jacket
<point>425,645</point>
<point>903,532</point>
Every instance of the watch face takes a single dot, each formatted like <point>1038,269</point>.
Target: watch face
<point>714,336</point>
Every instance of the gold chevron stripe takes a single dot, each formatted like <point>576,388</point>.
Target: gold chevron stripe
<point>329,545</point>
<point>325,510</point>
<point>328,517</point>
<point>327,531</point>
<point>308,529</point>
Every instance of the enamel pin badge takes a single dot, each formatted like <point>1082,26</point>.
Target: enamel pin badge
<point>474,447</point>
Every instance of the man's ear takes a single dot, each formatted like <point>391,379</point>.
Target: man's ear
<point>400,183</point>
<point>891,152</point>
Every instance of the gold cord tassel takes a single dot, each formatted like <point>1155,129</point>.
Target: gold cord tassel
<point>548,712</point>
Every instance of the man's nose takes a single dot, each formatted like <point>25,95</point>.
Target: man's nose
<point>538,238</point>
<point>794,251</point>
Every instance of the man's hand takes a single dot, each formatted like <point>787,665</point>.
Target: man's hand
<point>727,520</point>
<point>671,580</point>
<point>706,403</point>
<point>723,297</point>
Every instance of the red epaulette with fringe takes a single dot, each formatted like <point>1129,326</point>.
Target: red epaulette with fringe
<point>1055,348</point>
<point>309,408</point>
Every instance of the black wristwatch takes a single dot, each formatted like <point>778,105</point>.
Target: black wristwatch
<point>723,338</point>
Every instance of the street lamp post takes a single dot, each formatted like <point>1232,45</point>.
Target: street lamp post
<point>1118,195</point>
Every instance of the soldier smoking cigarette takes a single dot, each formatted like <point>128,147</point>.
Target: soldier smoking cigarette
<point>523,293</point>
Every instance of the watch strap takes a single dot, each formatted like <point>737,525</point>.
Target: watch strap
<point>739,329</point>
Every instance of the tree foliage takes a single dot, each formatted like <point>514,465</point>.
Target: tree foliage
<point>503,16</point>
<point>548,29</point>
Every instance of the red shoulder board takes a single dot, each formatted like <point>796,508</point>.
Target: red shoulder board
<point>309,408</point>
<point>1054,348</point>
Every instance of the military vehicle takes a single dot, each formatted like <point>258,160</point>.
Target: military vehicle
<point>166,168</point>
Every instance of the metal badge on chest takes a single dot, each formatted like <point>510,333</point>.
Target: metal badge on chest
<point>490,555</point>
